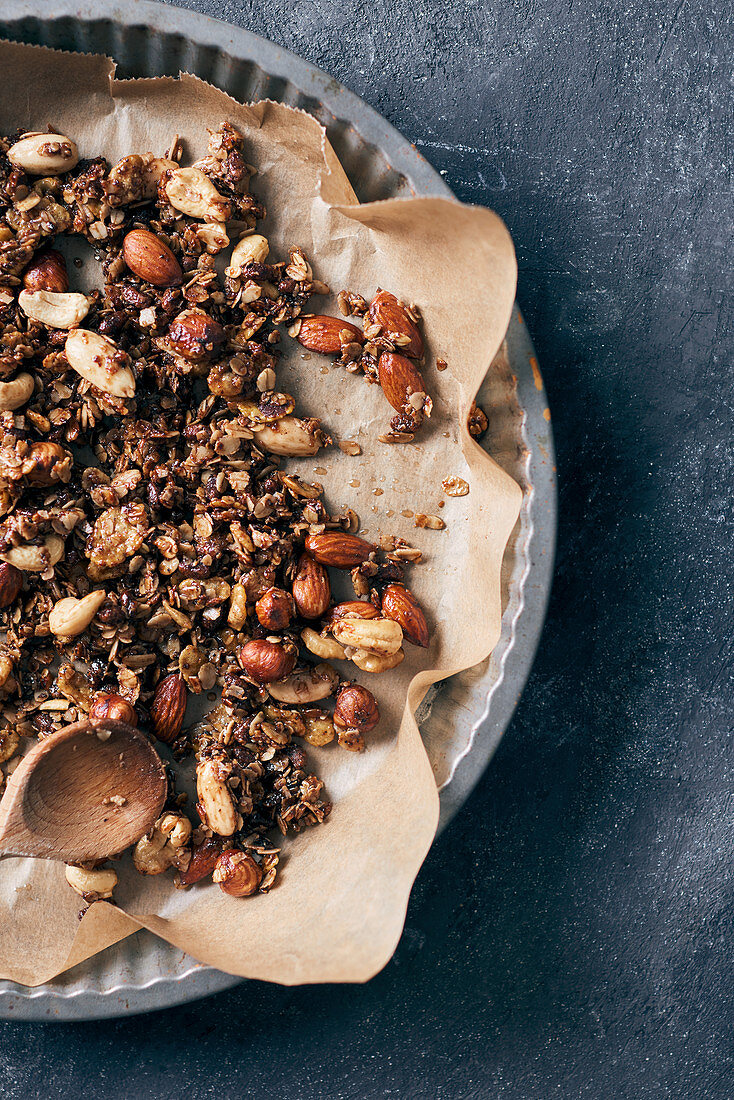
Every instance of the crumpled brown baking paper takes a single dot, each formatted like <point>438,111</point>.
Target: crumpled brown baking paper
<point>338,909</point>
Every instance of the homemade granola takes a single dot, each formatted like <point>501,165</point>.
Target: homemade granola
<point>152,544</point>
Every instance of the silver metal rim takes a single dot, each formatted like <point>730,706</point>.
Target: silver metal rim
<point>93,28</point>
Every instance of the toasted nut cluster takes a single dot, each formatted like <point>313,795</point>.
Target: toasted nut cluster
<point>385,350</point>
<point>153,543</point>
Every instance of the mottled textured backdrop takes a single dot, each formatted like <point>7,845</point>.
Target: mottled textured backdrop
<point>571,932</point>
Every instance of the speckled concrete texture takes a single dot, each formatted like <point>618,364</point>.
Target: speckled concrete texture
<point>571,933</point>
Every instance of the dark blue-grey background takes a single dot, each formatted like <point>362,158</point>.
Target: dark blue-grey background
<point>571,932</point>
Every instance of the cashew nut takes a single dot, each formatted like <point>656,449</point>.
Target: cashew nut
<point>375,635</point>
<point>375,662</point>
<point>289,436</point>
<point>193,193</point>
<point>327,648</point>
<point>36,559</point>
<point>92,885</point>
<point>15,393</point>
<point>53,309</point>
<point>250,250</point>
<point>306,686</point>
<point>71,616</point>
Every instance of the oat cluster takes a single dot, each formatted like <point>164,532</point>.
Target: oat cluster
<point>153,545</point>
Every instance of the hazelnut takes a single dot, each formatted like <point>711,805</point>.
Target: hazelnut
<point>265,662</point>
<point>11,582</point>
<point>274,609</point>
<point>47,271</point>
<point>356,709</point>
<point>109,705</point>
<point>237,873</point>
<point>195,335</point>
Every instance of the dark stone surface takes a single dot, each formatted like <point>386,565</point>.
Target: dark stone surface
<point>570,934</point>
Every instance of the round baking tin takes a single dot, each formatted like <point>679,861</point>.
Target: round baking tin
<point>143,973</point>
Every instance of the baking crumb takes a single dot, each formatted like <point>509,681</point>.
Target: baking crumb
<point>455,486</point>
<point>114,800</point>
<point>441,364</point>
<point>434,523</point>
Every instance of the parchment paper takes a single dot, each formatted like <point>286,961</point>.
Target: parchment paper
<point>337,911</point>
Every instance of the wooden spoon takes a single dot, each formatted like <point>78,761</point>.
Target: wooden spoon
<point>57,804</point>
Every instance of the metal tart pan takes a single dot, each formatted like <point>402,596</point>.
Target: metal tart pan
<point>465,718</point>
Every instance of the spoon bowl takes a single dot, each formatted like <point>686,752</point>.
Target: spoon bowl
<point>84,793</point>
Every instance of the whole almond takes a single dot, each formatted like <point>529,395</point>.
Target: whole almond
<point>327,335</point>
<point>151,259</point>
<point>339,549</point>
<point>362,609</point>
<point>400,605</point>
<point>47,271</point>
<point>395,324</point>
<point>265,662</point>
<point>203,861</point>
<point>311,588</point>
<point>11,582</point>
<point>168,708</point>
<point>399,378</point>
<point>195,335</point>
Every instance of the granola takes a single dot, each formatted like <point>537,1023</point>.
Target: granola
<point>152,544</point>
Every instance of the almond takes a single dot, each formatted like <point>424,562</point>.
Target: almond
<point>395,324</point>
<point>203,861</point>
<point>327,335</point>
<point>311,588</point>
<point>150,259</point>
<point>168,708</point>
<point>399,378</point>
<point>339,549</point>
<point>400,605</point>
<point>11,582</point>
<point>362,609</point>
<point>47,271</point>
<point>265,662</point>
<point>195,335</point>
